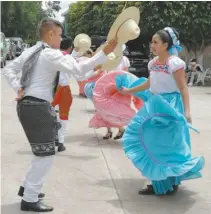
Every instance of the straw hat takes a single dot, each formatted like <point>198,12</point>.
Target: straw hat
<point>83,42</point>
<point>114,58</point>
<point>125,27</point>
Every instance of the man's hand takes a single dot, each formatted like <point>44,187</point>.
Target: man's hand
<point>20,94</point>
<point>110,46</point>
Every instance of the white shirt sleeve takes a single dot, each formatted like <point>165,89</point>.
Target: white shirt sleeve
<point>68,64</point>
<point>126,62</point>
<point>11,73</point>
<point>175,64</point>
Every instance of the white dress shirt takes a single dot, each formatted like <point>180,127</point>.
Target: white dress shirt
<point>50,61</point>
<point>64,79</point>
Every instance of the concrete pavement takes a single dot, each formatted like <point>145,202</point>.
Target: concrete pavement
<point>94,176</point>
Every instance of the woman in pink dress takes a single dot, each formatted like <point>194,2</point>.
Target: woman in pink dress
<point>113,109</point>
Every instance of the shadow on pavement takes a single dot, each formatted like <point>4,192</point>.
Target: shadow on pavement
<point>112,144</point>
<point>81,138</point>
<point>78,97</point>
<point>75,157</point>
<point>12,209</point>
<point>127,190</point>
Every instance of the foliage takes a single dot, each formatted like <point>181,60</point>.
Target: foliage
<point>52,7</point>
<point>191,19</point>
<point>21,18</point>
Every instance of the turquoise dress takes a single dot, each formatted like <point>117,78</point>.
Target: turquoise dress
<point>157,141</point>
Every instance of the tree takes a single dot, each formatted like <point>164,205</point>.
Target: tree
<point>52,7</point>
<point>191,19</point>
<point>94,18</point>
<point>21,18</point>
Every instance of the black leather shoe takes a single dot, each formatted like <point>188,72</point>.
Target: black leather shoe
<point>21,191</point>
<point>35,207</point>
<point>147,191</point>
<point>61,147</point>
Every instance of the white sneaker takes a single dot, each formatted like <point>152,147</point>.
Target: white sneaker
<point>190,84</point>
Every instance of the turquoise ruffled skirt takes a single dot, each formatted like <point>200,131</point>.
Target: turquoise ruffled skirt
<point>88,90</point>
<point>157,141</point>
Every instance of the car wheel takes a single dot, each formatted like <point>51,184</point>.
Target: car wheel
<point>2,64</point>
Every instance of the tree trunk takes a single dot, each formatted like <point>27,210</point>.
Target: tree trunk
<point>200,57</point>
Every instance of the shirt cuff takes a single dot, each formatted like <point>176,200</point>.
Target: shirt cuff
<point>75,54</point>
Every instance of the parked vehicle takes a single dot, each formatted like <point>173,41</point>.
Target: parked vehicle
<point>3,50</point>
<point>26,46</point>
<point>19,45</point>
<point>11,49</point>
<point>137,53</point>
<point>97,41</point>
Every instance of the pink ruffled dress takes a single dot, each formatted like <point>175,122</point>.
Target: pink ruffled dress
<point>113,109</point>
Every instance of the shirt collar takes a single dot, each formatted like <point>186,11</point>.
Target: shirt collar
<point>44,43</point>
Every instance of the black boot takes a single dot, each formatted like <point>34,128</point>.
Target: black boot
<point>147,191</point>
<point>61,147</point>
<point>35,206</point>
<point>119,135</point>
<point>108,135</point>
<point>21,191</point>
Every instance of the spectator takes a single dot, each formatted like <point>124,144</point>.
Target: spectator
<point>195,72</point>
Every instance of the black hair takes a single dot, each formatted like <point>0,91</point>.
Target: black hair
<point>47,23</point>
<point>66,43</point>
<point>193,60</point>
<point>89,52</point>
<point>166,38</point>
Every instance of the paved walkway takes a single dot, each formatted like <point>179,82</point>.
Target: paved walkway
<point>93,176</point>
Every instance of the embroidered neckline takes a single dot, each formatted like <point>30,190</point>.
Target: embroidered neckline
<point>165,63</point>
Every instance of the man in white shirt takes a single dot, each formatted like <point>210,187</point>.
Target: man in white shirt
<point>40,65</point>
